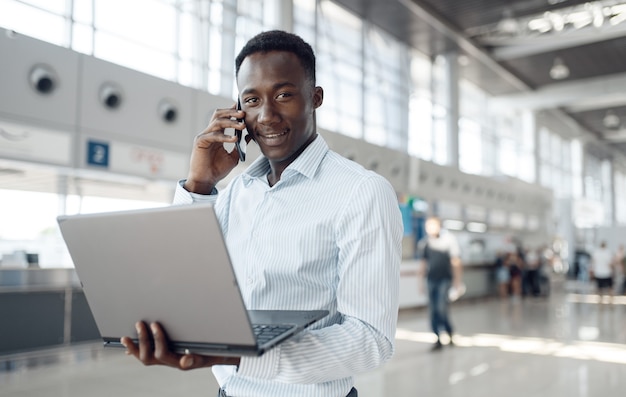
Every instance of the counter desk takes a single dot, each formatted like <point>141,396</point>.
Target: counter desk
<point>42,308</point>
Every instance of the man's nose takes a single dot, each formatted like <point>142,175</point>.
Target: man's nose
<point>267,113</point>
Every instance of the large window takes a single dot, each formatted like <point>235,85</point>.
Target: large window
<point>472,110</point>
<point>555,154</point>
<point>189,42</point>
<point>440,97</point>
<point>420,137</point>
<point>514,146</point>
<point>29,224</point>
<point>362,70</point>
<point>577,168</point>
<point>44,20</point>
<point>386,91</point>
<point>339,50</point>
<point>470,146</point>
<point>598,182</point>
<point>620,197</point>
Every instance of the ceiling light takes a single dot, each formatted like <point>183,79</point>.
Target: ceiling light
<point>559,70</point>
<point>508,24</point>
<point>611,120</point>
<point>598,16</point>
<point>579,19</point>
<point>558,23</point>
<point>540,25</point>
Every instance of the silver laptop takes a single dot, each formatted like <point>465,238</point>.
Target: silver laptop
<point>170,265</point>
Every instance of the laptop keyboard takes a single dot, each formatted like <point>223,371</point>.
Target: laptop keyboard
<point>264,333</point>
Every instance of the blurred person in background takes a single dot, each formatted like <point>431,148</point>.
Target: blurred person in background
<point>531,280</point>
<point>602,263</point>
<point>503,275</point>
<point>620,267</point>
<point>515,263</point>
<point>439,256</point>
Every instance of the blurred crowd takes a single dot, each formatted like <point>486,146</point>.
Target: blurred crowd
<point>524,272</point>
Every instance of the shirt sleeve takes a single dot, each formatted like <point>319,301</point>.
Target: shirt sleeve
<point>182,196</point>
<point>369,238</point>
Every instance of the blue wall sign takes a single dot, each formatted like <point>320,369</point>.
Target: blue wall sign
<point>98,153</point>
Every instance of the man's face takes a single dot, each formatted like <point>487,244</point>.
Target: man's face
<point>280,104</point>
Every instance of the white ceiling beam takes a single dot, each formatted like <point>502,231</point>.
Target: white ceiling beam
<point>587,94</point>
<point>464,43</point>
<point>613,136</point>
<point>524,46</point>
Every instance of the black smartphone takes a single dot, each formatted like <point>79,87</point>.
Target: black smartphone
<point>239,134</point>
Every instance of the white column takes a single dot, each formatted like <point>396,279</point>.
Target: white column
<point>452,104</point>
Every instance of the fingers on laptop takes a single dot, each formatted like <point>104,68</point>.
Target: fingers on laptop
<point>162,352</point>
<point>153,349</point>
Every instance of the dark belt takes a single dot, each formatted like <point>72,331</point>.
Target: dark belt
<point>353,393</point>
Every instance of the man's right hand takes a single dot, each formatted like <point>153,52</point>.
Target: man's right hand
<point>210,161</point>
<point>152,348</point>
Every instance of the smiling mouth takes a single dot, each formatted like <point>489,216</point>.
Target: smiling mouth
<point>273,136</point>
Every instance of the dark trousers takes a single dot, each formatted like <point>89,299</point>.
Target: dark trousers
<point>438,305</point>
<point>353,393</point>
<point>531,283</point>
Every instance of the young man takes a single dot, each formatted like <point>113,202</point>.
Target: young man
<point>306,229</point>
<point>439,258</point>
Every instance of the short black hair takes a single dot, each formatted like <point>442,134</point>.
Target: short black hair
<point>278,40</point>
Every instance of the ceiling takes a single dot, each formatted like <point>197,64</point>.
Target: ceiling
<point>510,47</point>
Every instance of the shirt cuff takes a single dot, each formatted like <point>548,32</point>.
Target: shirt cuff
<point>182,196</point>
<point>264,367</point>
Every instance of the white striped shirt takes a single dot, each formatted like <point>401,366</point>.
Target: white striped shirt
<point>326,236</point>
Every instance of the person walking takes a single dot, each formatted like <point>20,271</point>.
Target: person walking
<point>439,256</point>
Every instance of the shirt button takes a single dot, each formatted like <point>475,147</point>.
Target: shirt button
<point>250,281</point>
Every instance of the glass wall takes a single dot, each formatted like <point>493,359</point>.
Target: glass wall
<point>386,92</point>
<point>473,118</point>
<point>363,72</point>
<point>339,50</point>
<point>555,156</point>
<point>439,88</point>
<point>620,197</point>
<point>29,224</point>
<point>190,42</point>
<point>420,133</point>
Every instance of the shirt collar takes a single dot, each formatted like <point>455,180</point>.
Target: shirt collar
<point>306,164</point>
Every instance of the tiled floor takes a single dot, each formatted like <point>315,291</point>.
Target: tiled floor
<point>566,345</point>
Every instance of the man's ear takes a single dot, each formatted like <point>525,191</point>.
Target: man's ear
<point>318,97</point>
